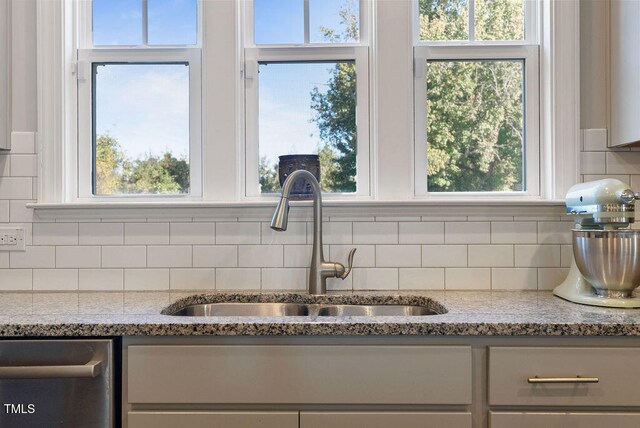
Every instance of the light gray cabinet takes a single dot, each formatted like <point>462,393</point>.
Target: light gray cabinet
<point>394,382</point>
<point>624,66</point>
<point>5,53</point>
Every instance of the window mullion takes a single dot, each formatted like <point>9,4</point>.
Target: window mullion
<point>472,20</point>
<point>145,22</point>
<point>307,31</point>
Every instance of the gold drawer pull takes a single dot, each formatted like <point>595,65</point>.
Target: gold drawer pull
<point>577,379</point>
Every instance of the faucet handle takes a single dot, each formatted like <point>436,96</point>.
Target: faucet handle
<point>344,272</point>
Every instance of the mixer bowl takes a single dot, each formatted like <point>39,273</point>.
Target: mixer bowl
<point>609,260</point>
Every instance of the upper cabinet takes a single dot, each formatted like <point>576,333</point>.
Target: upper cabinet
<point>624,72</point>
<point>4,74</point>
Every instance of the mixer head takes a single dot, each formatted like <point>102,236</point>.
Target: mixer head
<point>602,204</point>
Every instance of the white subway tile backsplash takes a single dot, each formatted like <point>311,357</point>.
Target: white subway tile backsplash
<point>146,279</point>
<point>468,279</point>
<point>623,162</point>
<point>192,233</point>
<point>215,256</point>
<point>5,165</point>
<point>421,232</point>
<point>514,279</point>
<point>55,234</point>
<point>55,279</point>
<point>101,279</point>
<point>333,233</point>
<point>490,256</point>
<point>398,256</point>
<point>78,257</point>
<point>421,278</point>
<point>4,211</point>
<point>173,256</point>
<point>124,256</point>
<point>593,163</point>
<point>16,188</point>
<point>101,233</point>
<point>594,140</point>
<point>550,278</point>
<point>444,255</point>
<point>558,232</point>
<point>260,256</point>
<point>537,255</point>
<point>16,279</point>
<point>516,232</point>
<point>192,279</point>
<point>19,213</point>
<point>566,255</point>
<point>375,233</point>
<point>4,260</point>
<point>24,165</point>
<point>467,233</point>
<point>298,255</point>
<point>284,279</point>
<point>237,279</point>
<point>296,234</point>
<point>34,257</point>
<point>23,142</point>
<point>146,233</point>
<point>238,233</point>
<point>375,279</point>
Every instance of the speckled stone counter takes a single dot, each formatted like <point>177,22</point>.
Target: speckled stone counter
<point>467,313</point>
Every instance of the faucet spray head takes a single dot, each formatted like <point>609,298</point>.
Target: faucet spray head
<point>281,215</point>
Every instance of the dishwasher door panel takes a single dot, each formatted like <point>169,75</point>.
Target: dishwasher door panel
<point>56,383</point>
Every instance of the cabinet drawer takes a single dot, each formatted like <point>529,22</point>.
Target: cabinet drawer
<point>299,374</point>
<point>384,419</point>
<point>563,420</point>
<point>511,367</point>
<point>213,419</point>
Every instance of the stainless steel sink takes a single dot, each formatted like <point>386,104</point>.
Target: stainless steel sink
<point>300,309</point>
<point>244,310</point>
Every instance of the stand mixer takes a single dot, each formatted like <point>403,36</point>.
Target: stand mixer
<point>606,252</point>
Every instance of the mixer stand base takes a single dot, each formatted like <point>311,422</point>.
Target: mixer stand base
<point>576,289</point>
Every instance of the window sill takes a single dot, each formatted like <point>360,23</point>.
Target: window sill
<point>475,207</point>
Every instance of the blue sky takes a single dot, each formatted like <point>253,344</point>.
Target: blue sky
<point>146,107</point>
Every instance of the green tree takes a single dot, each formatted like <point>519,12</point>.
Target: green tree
<point>269,182</point>
<point>150,174</point>
<point>110,160</point>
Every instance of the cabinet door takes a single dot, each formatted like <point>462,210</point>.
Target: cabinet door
<point>385,419</point>
<point>563,420</point>
<point>213,419</point>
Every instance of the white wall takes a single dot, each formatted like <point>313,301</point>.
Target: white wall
<point>420,252</point>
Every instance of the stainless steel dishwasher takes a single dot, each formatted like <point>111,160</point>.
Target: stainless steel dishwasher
<point>57,383</point>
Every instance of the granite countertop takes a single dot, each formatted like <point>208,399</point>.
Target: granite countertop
<point>474,313</point>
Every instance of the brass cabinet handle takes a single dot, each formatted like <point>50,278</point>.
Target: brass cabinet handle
<point>577,379</point>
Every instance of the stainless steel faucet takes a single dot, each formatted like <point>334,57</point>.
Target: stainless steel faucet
<point>320,269</point>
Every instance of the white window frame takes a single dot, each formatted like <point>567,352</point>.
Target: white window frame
<point>468,50</point>
<point>79,183</point>
<point>306,52</point>
<point>391,101</point>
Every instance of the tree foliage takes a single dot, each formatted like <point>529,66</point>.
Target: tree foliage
<point>149,174</point>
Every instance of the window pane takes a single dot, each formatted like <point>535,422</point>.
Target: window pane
<point>475,128</point>
<point>444,20</point>
<point>141,129</point>
<point>499,19</point>
<point>309,107</point>
<point>117,22</point>
<point>278,21</point>
<point>172,22</point>
<point>334,21</point>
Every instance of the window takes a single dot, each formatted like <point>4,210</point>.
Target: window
<point>139,99</point>
<point>476,97</point>
<point>396,112</point>
<point>306,88</point>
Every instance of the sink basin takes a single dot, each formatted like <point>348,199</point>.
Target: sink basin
<point>269,309</point>
<point>244,310</point>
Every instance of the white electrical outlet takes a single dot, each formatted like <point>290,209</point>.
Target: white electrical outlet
<point>12,238</point>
